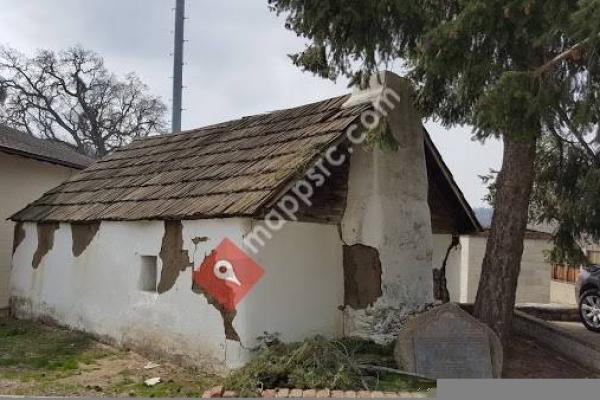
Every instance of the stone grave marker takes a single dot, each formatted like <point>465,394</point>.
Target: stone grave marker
<point>447,342</point>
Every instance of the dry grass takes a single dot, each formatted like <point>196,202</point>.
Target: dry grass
<point>41,360</point>
<point>36,359</point>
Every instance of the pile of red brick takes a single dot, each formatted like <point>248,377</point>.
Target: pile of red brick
<point>219,391</point>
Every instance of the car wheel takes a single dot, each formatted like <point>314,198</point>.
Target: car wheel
<point>589,309</point>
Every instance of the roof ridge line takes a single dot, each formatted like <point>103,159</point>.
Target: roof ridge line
<point>216,125</point>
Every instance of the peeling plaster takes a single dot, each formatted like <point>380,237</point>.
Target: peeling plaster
<point>174,259</point>
<point>104,301</point>
<point>45,233</point>
<point>362,276</point>
<point>227,315</point>
<point>82,235</point>
<point>18,236</point>
<point>387,210</point>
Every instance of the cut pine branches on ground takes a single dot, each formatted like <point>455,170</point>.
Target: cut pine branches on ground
<point>320,363</point>
<point>36,359</point>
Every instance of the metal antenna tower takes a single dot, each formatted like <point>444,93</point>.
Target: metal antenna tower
<point>178,66</point>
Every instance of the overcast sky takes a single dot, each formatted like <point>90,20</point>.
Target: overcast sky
<point>236,62</point>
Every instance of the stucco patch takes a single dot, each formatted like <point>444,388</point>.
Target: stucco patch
<point>45,232</point>
<point>18,236</point>
<point>174,258</point>
<point>227,315</point>
<point>82,235</point>
<point>362,276</point>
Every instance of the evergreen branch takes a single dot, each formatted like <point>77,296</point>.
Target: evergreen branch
<point>578,135</point>
<point>565,54</point>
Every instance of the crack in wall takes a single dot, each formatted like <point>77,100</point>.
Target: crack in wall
<point>227,315</point>
<point>440,285</point>
<point>45,233</point>
<point>199,239</point>
<point>174,259</point>
<point>82,235</point>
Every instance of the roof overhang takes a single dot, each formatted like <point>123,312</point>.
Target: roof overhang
<point>39,157</point>
<point>460,197</point>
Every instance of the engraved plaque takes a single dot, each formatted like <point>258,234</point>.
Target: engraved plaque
<point>453,356</point>
<point>447,342</point>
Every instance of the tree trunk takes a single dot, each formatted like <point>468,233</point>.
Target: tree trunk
<point>495,301</point>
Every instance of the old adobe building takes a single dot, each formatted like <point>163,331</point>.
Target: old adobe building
<point>112,250</point>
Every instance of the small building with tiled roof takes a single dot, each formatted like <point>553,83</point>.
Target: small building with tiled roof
<point>319,219</point>
<point>28,168</point>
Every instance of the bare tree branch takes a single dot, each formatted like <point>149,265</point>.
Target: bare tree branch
<point>70,96</point>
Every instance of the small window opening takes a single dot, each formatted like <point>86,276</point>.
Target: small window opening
<point>148,272</point>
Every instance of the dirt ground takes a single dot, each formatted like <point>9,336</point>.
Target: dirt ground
<point>121,374</point>
<point>42,360</point>
<point>526,359</point>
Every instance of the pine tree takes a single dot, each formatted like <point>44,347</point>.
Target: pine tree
<point>519,70</point>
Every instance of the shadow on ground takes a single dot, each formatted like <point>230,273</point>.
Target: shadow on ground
<point>526,359</point>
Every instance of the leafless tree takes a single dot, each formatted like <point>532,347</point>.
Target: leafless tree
<point>71,97</point>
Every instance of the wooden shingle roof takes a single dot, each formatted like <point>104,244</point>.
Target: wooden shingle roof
<point>236,168</point>
<point>229,169</point>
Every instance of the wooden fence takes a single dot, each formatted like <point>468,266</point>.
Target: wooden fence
<point>565,273</point>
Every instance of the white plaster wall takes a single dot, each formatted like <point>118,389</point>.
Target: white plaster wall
<point>534,280</point>
<point>382,213</point>
<point>454,271</point>
<point>97,292</point>
<point>476,253</point>
<point>22,180</point>
<point>465,254</point>
<point>303,286</point>
<point>387,209</point>
<point>562,293</point>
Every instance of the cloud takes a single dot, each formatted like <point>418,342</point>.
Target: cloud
<point>236,61</point>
